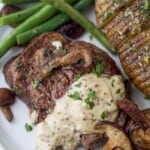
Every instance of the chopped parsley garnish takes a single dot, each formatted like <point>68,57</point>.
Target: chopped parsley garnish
<point>107,14</point>
<point>138,142</point>
<point>78,85</point>
<point>90,98</point>
<point>118,91</point>
<point>123,78</point>
<point>99,59</point>
<point>17,91</point>
<point>91,94</point>
<point>112,83</point>
<point>75,96</point>
<point>133,50</point>
<point>98,70</point>
<point>28,127</point>
<point>78,76</point>
<point>18,65</point>
<point>146,5</point>
<point>116,1</point>
<point>122,94</point>
<point>36,84</point>
<point>89,103</point>
<point>104,114</point>
<point>145,8</point>
<point>108,104</point>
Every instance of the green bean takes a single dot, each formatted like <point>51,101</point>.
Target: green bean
<point>52,24</point>
<point>45,13</point>
<point>82,20</point>
<point>18,1</point>
<point>21,15</point>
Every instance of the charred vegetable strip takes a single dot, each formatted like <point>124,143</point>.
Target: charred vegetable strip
<point>83,21</point>
<point>45,13</point>
<point>17,1</point>
<point>20,16</point>
<point>52,24</point>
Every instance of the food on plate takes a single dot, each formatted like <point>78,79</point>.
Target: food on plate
<point>117,138</point>
<point>68,87</point>
<point>74,91</point>
<point>140,136</point>
<point>129,32</point>
<point>7,98</point>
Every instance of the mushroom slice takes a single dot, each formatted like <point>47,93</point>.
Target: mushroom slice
<point>139,136</point>
<point>92,141</point>
<point>117,139</point>
<point>47,65</point>
<point>133,111</point>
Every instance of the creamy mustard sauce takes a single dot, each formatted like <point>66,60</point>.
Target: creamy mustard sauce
<point>73,116</point>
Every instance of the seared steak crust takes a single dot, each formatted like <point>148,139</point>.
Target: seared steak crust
<point>39,92</point>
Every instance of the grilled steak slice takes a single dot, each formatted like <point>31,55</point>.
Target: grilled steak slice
<point>48,66</point>
<point>135,58</point>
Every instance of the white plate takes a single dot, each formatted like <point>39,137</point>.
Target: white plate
<point>13,136</point>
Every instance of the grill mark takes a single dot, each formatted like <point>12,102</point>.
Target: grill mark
<point>118,19</point>
<point>127,52</point>
<point>139,71</point>
<point>109,27</point>
<point>141,78</point>
<point>116,35</point>
<point>134,58</point>
<point>135,40</point>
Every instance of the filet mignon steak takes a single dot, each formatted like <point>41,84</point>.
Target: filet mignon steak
<point>22,72</point>
<point>46,70</point>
